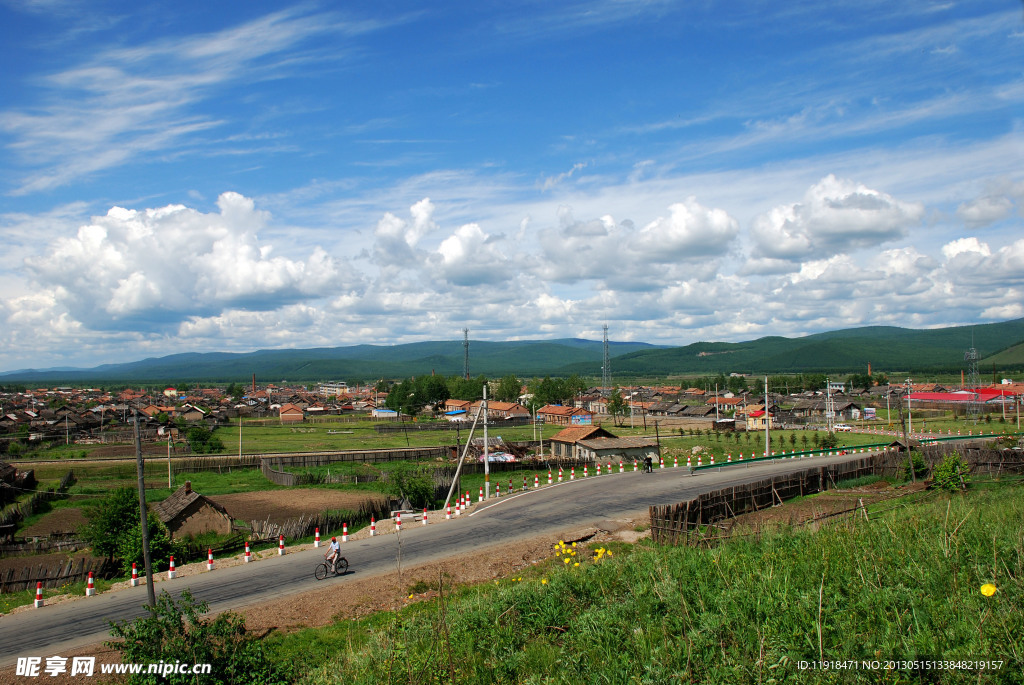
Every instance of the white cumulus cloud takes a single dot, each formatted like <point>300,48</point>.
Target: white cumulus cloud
<point>835,216</point>
<point>147,268</point>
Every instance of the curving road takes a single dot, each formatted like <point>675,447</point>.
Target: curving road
<point>546,511</point>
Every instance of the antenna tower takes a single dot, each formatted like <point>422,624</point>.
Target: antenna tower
<point>606,366</point>
<point>465,353</point>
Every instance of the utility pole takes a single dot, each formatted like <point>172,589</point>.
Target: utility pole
<point>143,520</point>
<point>906,443</point>
<point>910,416</point>
<point>767,421</point>
<point>487,465</point>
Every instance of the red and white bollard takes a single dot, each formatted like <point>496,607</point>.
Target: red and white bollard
<point>171,573</point>
<point>662,460</point>
<point>559,474</point>
<point>536,481</point>
<point>90,588</point>
<point>622,469</point>
<point>481,497</point>
<point>689,462</point>
<point>248,554</point>
<point>39,594</point>
<point>550,481</point>
<point>609,468</point>
<point>135,575</point>
<point>316,539</point>
<point>424,516</point>
<point>497,490</point>
<point>675,462</point>
<point>700,461</point>
<point>280,546</point>
<point>729,459</point>
<point>635,466</point>
<point>712,460</point>
<point>373,526</point>
<point>209,558</point>
<point>572,473</point>
<point>584,470</point>
<point>398,521</point>
<point>598,469</point>
<point>467,499</point>
<point>344,532</point>
<point>524,482</point>
<point>448,513</point>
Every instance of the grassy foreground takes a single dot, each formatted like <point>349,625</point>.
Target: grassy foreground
<point>905,585</point>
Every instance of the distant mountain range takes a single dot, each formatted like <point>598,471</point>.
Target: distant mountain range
<point>886,348</point>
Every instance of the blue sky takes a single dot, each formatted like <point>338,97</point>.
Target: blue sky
<point>236,176</point>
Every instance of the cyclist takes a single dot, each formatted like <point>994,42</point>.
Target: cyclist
<point>333,552</point>
<point>648,464</point>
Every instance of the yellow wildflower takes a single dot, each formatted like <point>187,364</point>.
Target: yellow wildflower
<point>988,589</point>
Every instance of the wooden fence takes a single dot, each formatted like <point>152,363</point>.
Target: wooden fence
<point>685,522</point>
<point>675,524</point>
<point>15,580</point>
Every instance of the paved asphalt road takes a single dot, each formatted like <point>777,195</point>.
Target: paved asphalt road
<point>548,511</point>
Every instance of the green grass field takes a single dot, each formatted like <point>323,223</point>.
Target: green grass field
<point>908,584</point>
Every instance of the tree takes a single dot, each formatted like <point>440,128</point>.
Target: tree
<point>110,519</point>
<point>161,547</point>
<point>574,386</point>
<point>410,482</point>
<point>112,529</point>
<point>616,405</point>
<point>509,388</point>
<point>401,398</point>
<point>203,441</point>
<point>432,390</point>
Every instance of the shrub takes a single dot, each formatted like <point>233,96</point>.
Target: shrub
<point>920,467</point>
<point>952,473</point>
<point>176,633</point>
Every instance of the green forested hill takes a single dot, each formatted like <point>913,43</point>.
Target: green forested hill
<point>999,346</point>
<point>883,347</point>
<point>359,362</point>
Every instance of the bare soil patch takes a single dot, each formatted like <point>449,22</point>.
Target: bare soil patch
<point>65,520</point>
<point>281,505</point>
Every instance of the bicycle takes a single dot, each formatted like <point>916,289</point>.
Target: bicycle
<point>323,569</point>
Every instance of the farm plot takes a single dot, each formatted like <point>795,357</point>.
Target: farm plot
<point>280,505</point>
